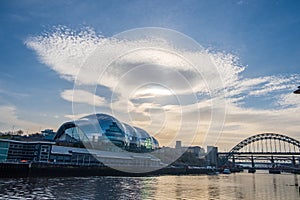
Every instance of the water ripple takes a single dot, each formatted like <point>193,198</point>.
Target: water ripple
<point>234,186</point>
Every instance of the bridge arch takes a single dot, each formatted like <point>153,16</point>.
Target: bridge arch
<point>264,136</point>
<point>263,141</point>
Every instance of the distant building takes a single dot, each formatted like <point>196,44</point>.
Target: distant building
<point>196,150</point>
<point>178,145</point>
<point>212,156</point>
<point>48,134</point>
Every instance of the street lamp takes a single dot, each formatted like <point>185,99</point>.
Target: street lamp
<point>297,91</point>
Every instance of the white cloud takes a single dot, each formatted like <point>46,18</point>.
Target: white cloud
<point>81,96</point>
<point>72,55</point>
<point>10,120</point>
<point>76,116</point>
<point>288,100</point>
<point>134,69</point>
<point>64,50</point>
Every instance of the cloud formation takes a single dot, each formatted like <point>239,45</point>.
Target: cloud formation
<point>10,120</point>
<point>81,96</point>
<point>158,85</point>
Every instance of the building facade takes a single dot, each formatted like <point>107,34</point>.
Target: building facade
<point>23,151</point>
<point>93,140</point>
<point>13,151</point>
<point>104,132</point>
<point>212,156</point>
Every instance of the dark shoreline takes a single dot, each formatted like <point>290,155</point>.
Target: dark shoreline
<point>11,170</point>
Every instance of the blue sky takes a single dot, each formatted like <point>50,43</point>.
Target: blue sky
<point>263,35</point>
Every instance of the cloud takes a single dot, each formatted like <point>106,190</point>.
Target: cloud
<point>81,96</point>
<point>74,117</point>
<point>13,94</point>
<point>289,100</point>
<point>64,50</point>
<point>244,122</point>
<point>171,91</point>
<point>91,59</point>
<point>10,120</point>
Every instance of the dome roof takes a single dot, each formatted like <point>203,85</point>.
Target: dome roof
<point>103,126</point>
<point>131,130</point>
<point>102,121</point>
<point>142,132</point>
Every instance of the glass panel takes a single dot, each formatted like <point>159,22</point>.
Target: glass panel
<point>4,144</point>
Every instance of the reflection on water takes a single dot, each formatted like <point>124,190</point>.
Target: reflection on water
<point>233,186</point>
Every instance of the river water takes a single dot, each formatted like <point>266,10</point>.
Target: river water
<point>260,185</point>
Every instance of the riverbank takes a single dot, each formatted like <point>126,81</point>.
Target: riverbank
<point>56,170</point>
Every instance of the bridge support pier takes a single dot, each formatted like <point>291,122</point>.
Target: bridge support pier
<point>272,161</point>
<point>294,161</point>
<point>233,161</point>
<point>252,161</point>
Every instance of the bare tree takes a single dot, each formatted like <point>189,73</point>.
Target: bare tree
<point>20,132</point>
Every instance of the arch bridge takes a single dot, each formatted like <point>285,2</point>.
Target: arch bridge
<point>268,149</point>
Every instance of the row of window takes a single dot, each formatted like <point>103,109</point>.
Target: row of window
<point>24,146</point>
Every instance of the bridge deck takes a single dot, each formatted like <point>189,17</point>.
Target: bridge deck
<point>260,153</point>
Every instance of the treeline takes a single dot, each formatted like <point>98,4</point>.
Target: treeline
<point>18,132</point>
<point>19,135</point>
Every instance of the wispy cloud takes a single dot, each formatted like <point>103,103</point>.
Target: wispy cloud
<point>81,96</point>
<point>184,92</point>
<point>74,116</point>
<point>10,120</point>
<point>13,94</point>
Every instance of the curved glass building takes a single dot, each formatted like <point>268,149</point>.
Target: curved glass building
<point>105,132</point>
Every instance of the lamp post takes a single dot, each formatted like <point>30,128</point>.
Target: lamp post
<point>297,91</point>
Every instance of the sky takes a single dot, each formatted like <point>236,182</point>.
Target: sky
<point>249,62</point>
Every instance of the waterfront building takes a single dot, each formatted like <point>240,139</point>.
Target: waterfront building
<point>102,131</point>
<point>14,151</point>
<point>196,150</point>
<point>24,151</point>
<point>93,140</point>
<point>212,156</point>
<point>178,144</point>
<point>48,134</point>
<point>89,157</point>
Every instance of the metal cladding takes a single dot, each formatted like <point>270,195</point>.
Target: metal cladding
<point>105,129</point>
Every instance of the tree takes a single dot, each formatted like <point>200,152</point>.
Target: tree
<point>20,132</point>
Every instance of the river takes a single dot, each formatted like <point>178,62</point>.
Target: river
<point>260,185</point>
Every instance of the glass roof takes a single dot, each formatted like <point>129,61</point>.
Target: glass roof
<point>105,125</point>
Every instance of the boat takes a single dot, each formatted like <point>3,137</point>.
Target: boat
<point>274,171</point>
<point>251,170</point>
<point>226,171</point>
